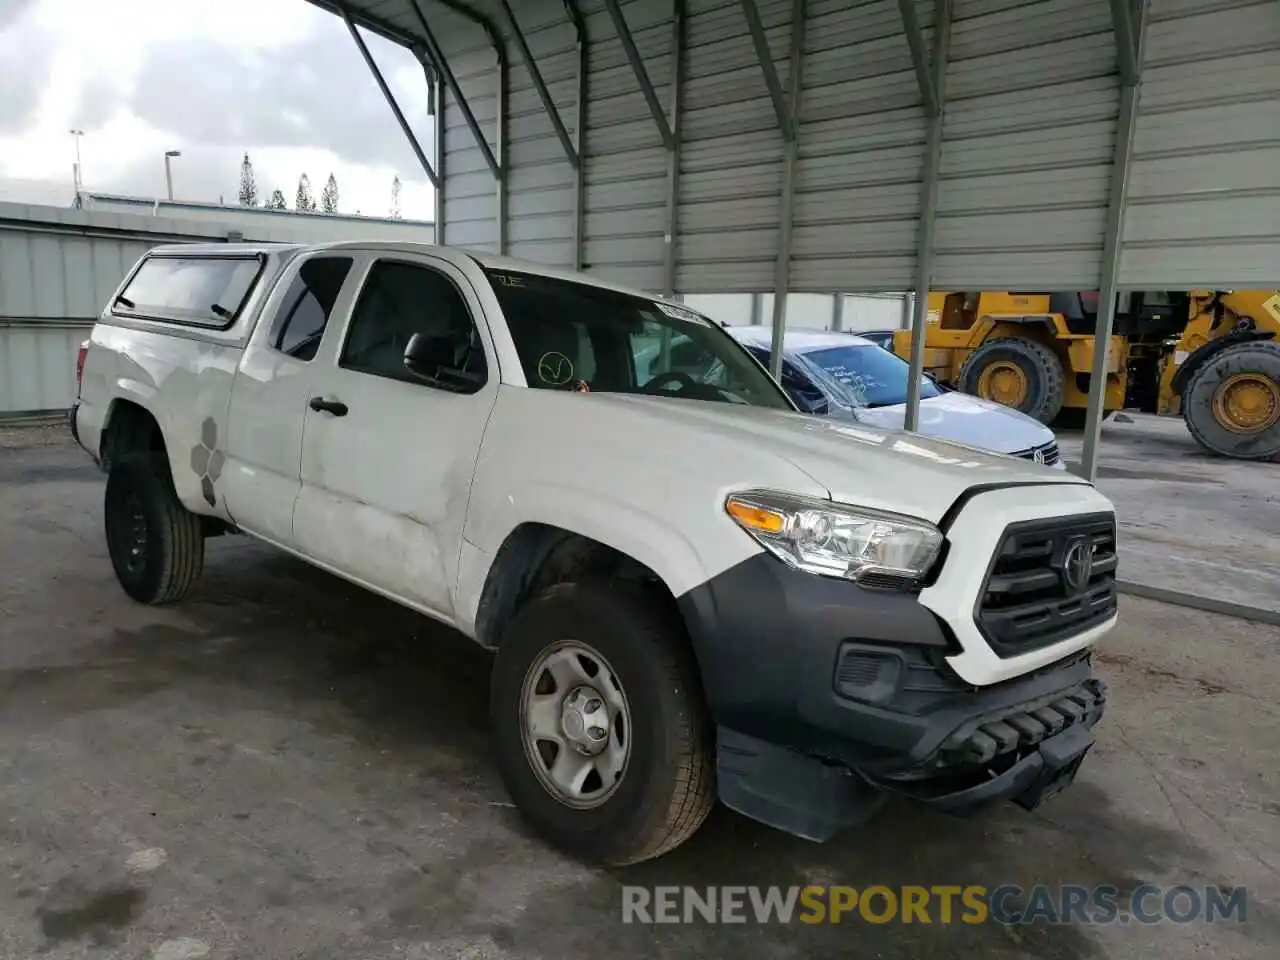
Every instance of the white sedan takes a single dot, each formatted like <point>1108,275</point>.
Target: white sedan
<point>843,375</point>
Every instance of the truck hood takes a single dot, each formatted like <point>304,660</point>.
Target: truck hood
<point>964,419</point>
<point>887,470</point>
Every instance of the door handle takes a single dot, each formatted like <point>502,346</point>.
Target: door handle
<point>336,407</point>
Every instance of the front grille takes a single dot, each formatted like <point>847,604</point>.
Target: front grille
<point>1037,592</point>
<point>1048,451</point>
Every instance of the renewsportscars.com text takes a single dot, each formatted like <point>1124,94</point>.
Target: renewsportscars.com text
<point>1006,904</point>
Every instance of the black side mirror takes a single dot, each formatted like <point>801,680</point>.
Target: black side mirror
<point>431,359</point>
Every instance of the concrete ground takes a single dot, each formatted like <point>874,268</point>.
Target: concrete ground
<point>286,766</point>
<point>1189,522</point>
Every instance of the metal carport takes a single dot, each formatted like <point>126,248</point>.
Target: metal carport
<point>687,146</point>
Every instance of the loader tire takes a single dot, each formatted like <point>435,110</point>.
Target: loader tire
<point>1018,373</point>
<point>1232,404</point>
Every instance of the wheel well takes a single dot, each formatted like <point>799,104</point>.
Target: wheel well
<point>536,556</point>
<point>130,429</point>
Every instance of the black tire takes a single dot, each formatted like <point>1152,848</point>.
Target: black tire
<point>668,785</point>
<point>156,544</point>
<point>1046,381</point>
<point>1257,357</point>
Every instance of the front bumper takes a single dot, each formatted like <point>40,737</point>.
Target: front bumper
<point>828,696</point>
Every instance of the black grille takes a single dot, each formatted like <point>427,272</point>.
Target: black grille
<point>1048,451</point>
<point>1031,599</point>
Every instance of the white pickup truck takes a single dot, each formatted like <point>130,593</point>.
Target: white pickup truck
<point>692,589</point>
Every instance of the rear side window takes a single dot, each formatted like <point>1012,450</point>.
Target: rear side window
<point>306,307</point>
<point>198,291</point>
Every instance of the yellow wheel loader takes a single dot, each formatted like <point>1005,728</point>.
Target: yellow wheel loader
<point>1212,357</point>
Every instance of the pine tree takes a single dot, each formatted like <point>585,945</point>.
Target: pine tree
<point>395,198</point>
<point>329,196</point>
<point>248,185</point>
<point>276,202</point>
<point>304,203</point>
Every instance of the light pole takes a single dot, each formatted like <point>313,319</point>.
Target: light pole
<point>168,171</point>
<point>78,179</point>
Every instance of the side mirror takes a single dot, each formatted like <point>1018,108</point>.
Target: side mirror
<point>431,359</point>
<point>810,401</point>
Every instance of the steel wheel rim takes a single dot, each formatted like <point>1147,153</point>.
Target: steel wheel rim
<point>1247,403</point>
<point>1003,382</point>
<point>575,724</point>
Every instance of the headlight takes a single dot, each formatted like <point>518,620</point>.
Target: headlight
<point>836,540</point>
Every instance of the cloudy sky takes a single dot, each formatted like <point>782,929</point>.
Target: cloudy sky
<point>278,79</point>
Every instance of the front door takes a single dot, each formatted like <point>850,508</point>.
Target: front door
<point>387,458</point>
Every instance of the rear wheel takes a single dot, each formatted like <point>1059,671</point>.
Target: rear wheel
<point>1232,403</point>
<point>156,545</point>
<point>1017,373</point>
<point>599,726</point>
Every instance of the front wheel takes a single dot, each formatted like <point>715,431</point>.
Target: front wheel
<point>156,544</point>
<point>600,730</point>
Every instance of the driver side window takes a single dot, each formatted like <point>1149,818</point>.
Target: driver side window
<point>402,299</point>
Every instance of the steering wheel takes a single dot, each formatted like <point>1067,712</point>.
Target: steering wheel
<point>671,376</point>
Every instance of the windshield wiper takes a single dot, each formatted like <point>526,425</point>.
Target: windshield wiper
<point>220,311</point>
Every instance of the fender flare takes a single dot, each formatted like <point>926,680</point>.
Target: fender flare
<point>651,541</point>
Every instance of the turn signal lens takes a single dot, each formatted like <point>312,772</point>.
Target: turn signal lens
<point>754,517</point>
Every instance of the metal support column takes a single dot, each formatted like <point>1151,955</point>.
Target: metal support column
<point>837,311</point>
<point>671,227</point>
<point>435,109</point>
<point>500,143</point>
<point>933,94</point>
<point>1129,44</point>
<point>391,102</point>
<point>579,130</point>
<point>786,205</point>
<point>787,108</point>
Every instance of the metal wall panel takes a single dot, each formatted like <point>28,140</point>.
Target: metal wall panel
<point>1032,99</point>
<point>52,285</point>
<point>625,159</point>
<point>861,149</point>
<point>1204,198</point>
<point>731,156</point>
<point>539,177</point>
<point>58,266</point>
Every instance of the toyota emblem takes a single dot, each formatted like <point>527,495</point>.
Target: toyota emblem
<point>1077,565</point>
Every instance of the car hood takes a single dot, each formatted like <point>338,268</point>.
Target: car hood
<point>888,470</point>
<point>964,419</point>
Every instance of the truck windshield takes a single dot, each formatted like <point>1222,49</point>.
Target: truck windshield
<point>865,375</point>
<point>573,336</point>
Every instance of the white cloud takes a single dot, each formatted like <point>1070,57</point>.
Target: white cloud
<point>88,57</point>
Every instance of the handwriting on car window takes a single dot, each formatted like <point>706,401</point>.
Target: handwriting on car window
<point>859,384</point>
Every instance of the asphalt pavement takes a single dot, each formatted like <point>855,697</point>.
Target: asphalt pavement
<point>285,766</point>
